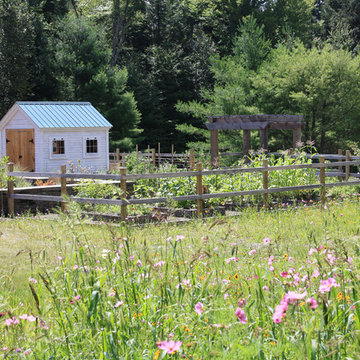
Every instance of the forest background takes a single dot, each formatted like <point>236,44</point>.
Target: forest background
<point>156,68</point>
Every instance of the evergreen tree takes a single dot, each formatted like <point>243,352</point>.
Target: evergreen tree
<point>84,74</point>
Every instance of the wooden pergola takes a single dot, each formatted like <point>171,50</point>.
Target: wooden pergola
<point>262,123</point>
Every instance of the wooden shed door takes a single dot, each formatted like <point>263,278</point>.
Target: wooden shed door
<point>20,148</point>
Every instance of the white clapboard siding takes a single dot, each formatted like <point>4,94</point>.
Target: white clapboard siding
<point>16,118</point>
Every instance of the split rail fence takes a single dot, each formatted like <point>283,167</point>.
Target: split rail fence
<point>199,197</point>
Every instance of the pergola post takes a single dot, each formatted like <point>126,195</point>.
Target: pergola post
<point>214,141</point>
<point>296,137</point>
<point>263,139</point>
<point>246,142</point>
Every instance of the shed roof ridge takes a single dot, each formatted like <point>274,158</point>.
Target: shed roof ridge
<point>53,103</point>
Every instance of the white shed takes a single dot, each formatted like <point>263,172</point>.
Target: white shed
<point>42,136</point>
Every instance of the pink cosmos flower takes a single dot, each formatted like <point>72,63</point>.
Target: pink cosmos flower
<point>265,288</point>
<point>139,263</point>
<point>229,260</point>
<point>11,321</point>
<point>271,259</point>
<point>284,274</point>
<point>312,303</point>
<point>170,347</point>
<point>266,241</point>
<point>160,263</point>
<point>18,350</point>
<point>240,314</point>
<point>33,280</point>
<point>180,237</point>
<point>76,298</point>
<point>199,308</point>
<point>292,296</point>
<point>119,303</point>
<point>271,268</point>
<point>326,285</point>
<point>242,302</point>
<point>279,313</point>
<point>4,348</point>
<point>252,252</point>
<point>27,352</point>
<point>226,296</point>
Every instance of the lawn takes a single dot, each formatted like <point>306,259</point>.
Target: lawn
<point>279,284</point>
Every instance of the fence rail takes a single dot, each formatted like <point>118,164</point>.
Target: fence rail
<point>199,173</point>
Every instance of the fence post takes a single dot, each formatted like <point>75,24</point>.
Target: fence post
<point>199,190</point>
<point>123,195</point>
<point>117,154</point>
<point>63,187</point>
<point>347,167</point>
<point>159,156</point>
<point>172,154</point>
<point>266,183</point>
<point>322,181</point>
<point>123,160</point>
<point>11,201</point>
<point>340,168</point>
<point>153,158</point>
<point>137,153</point>
<point>192,160</point>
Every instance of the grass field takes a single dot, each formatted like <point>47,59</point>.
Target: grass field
<point>282,284</point>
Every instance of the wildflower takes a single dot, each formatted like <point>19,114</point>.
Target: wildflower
<point>11,321</point>
<point>27,352</point>
<point>76,298</point>
<point>240,314</point>
<point>18,350</point>
<point>112,293</point>
<point>160,263</point>
<point>139,263</point>
<point>75,267</point>
<point>271,268</point>
<point>326,285</point>
<point>170,347</point>
<point>265,288</point>
<point>266,241</point>
<point>271,259</point>
<point>119,303</point>
<point>292,296</point>
<point>252,252</point>
<point>180,237</point>
<point>33,280</point>
<point>199,308</point>
<point>241,302</point>
<point>229,260</point>
<point>4,348</point>
<point>312,303</point>
<point>156,356</point>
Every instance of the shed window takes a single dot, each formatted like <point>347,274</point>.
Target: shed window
<point>58,147</point>
<point>91,146</point>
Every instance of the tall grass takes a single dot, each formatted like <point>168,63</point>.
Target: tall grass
<point>104,292</point>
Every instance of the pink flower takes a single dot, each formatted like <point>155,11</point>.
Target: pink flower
<point>112,293</point>
<point>284,274</point>
<point>160,263</point>
<point>240,314</point>
<point>312,303</point>
<point>4,348</point>
<point>119,303</point>
<point>312,250</point>
<point>226,296</point>
<point>139,263</point>
<point>33,280</point>
<point>266,241</point>
<point>252,252</point>
<point>242,302</point>
<point>11,321</point>
<point>75,267</point>
<point>229,260</point>
<point>292,296</point>
<point>280,313</point>
<point>76,298</point>
<point>326,285</point>
<point>271,259</point>
<point>170,347</point>
<point>265,288</point>
<point>27,352</point>
<point>180,237</point>
<point>271,268</point>
<point>199,308</point>
<point>31,318</point>
<point>17,350</point>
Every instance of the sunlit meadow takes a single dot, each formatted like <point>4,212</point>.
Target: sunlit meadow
<point>282,284</point>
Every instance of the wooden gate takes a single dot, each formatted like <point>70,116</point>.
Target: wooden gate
<point>20,148</point>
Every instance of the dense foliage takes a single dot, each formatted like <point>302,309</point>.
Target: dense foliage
<point>157,68</point>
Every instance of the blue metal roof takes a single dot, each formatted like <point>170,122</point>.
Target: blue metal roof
<point>48,114</point>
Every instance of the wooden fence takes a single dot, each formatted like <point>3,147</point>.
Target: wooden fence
<point>199,197</point>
